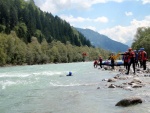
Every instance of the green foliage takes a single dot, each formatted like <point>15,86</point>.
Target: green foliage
<point>2,57</point>
<point>21,30</point>
<point>142,39</point>
<point>15,51</point>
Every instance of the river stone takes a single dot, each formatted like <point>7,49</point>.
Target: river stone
<point>121,70</point>
<point>111,80</point>
<point>129,101</point>
<point>122,78</point>
<point>112,86</point>
<point>136,80</point>
<point>127,88</point>
<point>148,70</point>
<point>106,68</point>
<point>98,87</point>
<point>134,85</point>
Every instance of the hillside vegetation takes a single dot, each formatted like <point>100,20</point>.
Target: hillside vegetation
<point>142,39</point>
<point>28,20</point>
<point>14,51</point>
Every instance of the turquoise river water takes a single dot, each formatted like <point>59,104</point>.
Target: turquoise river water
<point>47,89</point>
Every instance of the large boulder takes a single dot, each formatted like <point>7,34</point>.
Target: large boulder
<point>129,101</point>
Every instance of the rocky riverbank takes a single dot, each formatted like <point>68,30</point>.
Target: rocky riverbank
<point>128,82</point>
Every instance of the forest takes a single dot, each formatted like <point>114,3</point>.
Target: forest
<point>14,51</point>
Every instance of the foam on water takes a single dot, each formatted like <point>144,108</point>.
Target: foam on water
<point>11,75</point>
<point>6,83</point>
<point>22,75</point>
<point>48,73</point>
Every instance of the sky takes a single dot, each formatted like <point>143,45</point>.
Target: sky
<point>117,19</point>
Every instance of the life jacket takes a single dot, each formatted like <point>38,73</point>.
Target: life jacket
<point>111,57</point>
<point>100,59</point>
<point>95,62</point>
<point>131,55</point>
<point>143,55</point>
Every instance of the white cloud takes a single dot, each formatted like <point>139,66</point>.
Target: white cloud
<point>128,13</point>
<point>54,6</point>
<point>146,1</point>
<point>101,19</point>
<point>125,34</point>
<point>72,19</point>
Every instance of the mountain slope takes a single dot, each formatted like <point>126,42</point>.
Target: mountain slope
<point>102,41</point>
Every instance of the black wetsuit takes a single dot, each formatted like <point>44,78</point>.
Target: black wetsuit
<point>112,61</point>
<point>131,61</point>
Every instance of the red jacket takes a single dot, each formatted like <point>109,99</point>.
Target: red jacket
<point>143,55</point>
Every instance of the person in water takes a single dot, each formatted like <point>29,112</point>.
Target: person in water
<point>95,63</point>
<point>111,57</point>
<point>70,74</point>
<point>100,61</point>
<point>143,56</point>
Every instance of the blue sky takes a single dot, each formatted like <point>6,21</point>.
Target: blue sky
<point>117,19</point>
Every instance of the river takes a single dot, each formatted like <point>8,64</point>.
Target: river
<point>47,89</point>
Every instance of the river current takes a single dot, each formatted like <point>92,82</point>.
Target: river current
<point>47,89</point>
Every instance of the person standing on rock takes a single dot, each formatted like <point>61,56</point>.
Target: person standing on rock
<point>111,57</point>
<point>140,58</point>
<point>100,61</point>
<point>136,58</point>
<point>131,60</point>
<point>143,58</point>
<point>125,59</point>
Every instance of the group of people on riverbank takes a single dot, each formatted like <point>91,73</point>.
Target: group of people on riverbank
<point>136,58</point>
